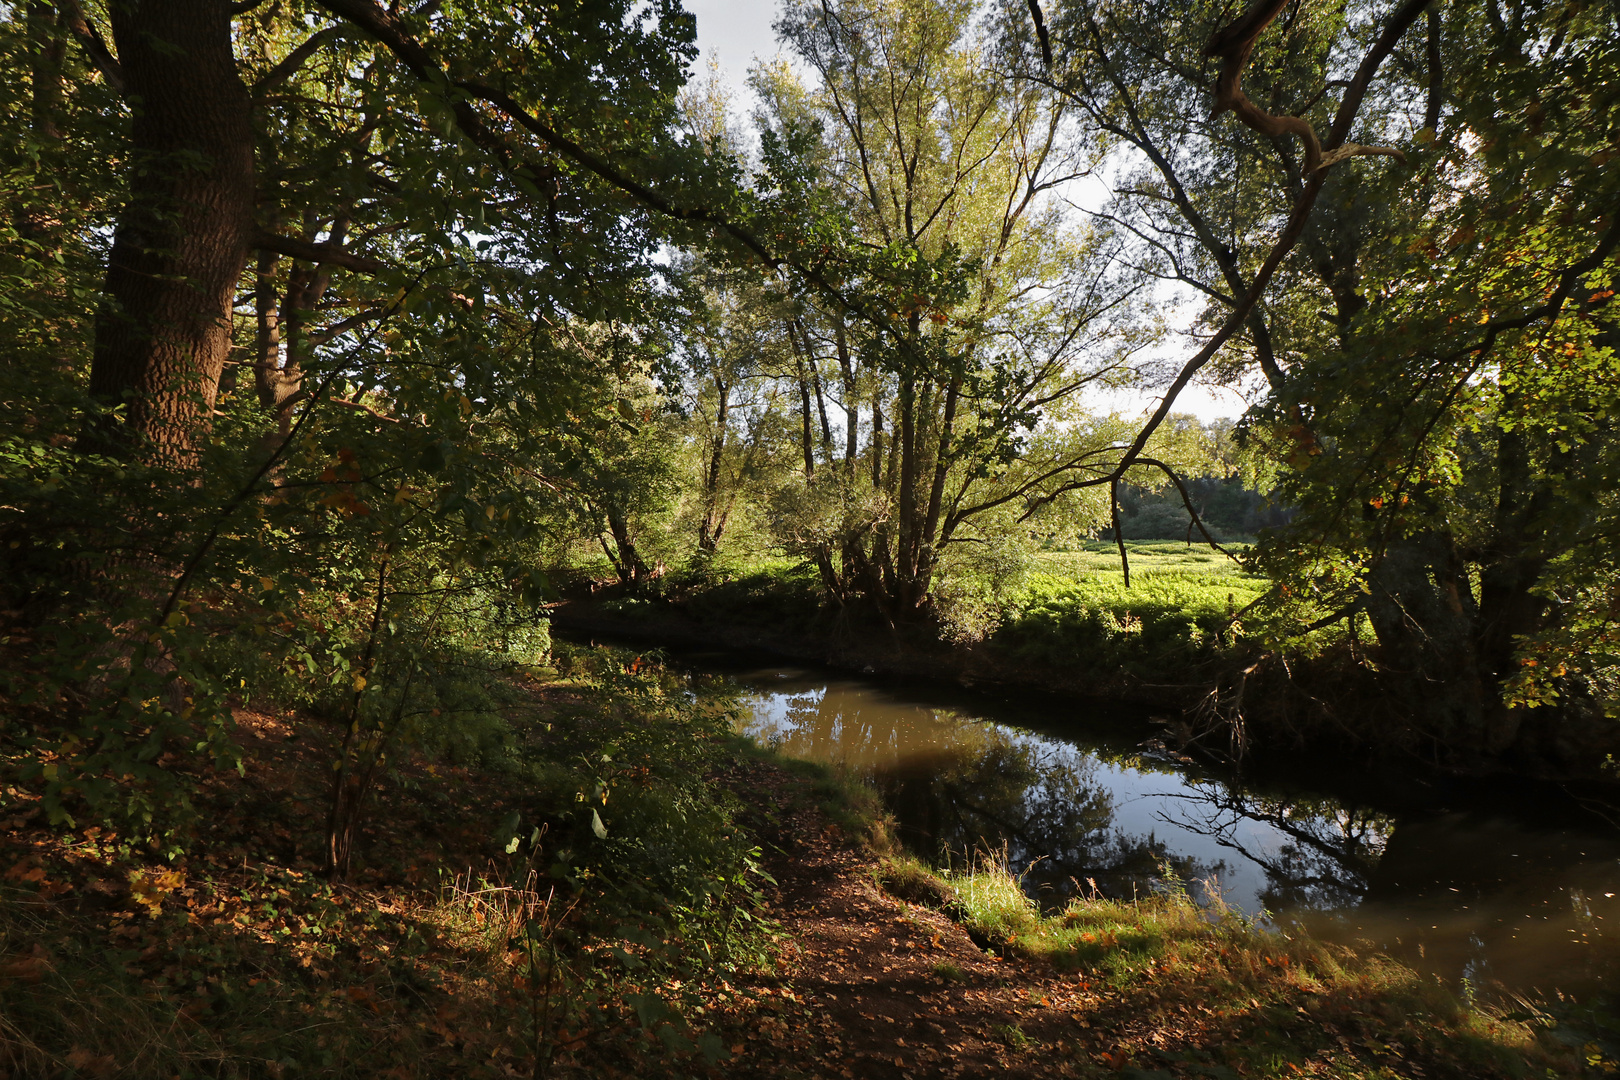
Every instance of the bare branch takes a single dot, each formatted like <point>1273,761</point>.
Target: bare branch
<point>295,60</point>
<point>1040,32</point>
<point>1186,500</point>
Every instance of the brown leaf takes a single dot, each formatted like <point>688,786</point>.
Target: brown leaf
<point>88,1061</point>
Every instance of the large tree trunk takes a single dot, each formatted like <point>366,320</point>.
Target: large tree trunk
<point>164,328</point>
<point>1514,561</point>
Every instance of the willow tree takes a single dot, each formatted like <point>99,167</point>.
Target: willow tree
<point>968,305</point>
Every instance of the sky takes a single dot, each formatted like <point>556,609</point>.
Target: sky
<point>736,32</point>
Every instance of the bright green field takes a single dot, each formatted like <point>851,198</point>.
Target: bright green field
<point>1102,557</point>
<point>1180,610</point>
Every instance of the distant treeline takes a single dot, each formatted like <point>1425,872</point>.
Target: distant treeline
<point>1229,509</point>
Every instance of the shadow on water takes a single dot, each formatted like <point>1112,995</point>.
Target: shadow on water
<point>1498,882</point>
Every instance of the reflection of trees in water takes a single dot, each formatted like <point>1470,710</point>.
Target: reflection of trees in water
<point>1044,805</point>
<point>1453,894</point>
<point>1327,859</point>
<point>955,786</point>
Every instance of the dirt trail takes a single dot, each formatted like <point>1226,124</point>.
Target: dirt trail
<point>879,987</point>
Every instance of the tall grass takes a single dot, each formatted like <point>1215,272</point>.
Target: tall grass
<point>1169,954</point>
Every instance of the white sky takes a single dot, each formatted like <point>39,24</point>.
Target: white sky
<point>736,32</point>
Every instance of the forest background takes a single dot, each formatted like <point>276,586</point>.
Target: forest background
<point>340,339</point>
<point>337,332</point>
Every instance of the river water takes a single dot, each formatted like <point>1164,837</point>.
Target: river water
<point>1484,885</point>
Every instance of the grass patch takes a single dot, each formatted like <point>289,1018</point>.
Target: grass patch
<point>1098,558</point>
<point>1282,1002</point>
<point>1167,621</point>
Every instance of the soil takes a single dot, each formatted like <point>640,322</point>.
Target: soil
<point>876,986</point>
<point>885,987</point>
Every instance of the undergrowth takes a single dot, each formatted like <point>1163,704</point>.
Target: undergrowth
<point>578,895</point>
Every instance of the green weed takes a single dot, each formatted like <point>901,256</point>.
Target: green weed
<point>1010,1035</point>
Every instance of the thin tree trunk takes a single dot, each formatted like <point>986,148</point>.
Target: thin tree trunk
<point>936,491</point>
<point>163,330</point>
<point>49,36</point>
<point>806,438</point>
<point>269,379</point>
<point>852,410</point>
<point>709,529</point>
<point>344,809</point>
<point>877,442</point>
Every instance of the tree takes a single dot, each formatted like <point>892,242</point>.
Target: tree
<point>1395,313</point>
<point>1472,506</point>
<point>345,131</point>
<point>345,528</point>
<point>963,306</point>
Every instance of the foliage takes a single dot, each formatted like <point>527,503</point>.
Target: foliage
<point>238,955</point>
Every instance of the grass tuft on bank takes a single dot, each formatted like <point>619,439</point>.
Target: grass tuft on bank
<point>1229,993</point>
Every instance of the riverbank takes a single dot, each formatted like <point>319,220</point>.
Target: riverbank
<point>855,646</point>
<point>1172,645</point>
<point>696,908</point>
<point>1070,626</point>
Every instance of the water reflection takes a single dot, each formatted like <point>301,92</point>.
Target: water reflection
<point>1323,855</point>
<point>956,785</point>
<point>1469,896</point>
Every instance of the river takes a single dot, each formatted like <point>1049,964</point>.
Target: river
<point>1484,884</point>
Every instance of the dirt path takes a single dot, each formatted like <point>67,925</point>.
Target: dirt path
<point>873,986</point>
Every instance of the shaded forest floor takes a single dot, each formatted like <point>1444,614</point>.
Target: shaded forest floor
<point>238,959</point>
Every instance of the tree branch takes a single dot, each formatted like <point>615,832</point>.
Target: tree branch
<point>1040,32</point>
<point>320,254</point>
<point>1233,46</point>
<point>295,60</point>
<point>386,29</point>
<point>94,46</point>
<point>1349,106</point>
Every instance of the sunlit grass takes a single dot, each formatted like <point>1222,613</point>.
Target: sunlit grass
<point>1100,557</point>
<point>1289,993</point>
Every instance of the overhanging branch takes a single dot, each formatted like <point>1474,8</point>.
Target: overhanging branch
<point>327,254</point>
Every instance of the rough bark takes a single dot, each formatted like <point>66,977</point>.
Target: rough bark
<point>163,330</point>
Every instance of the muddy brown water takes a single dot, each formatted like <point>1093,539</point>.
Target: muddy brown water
<point>1486,884</point>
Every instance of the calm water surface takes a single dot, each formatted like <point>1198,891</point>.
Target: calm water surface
<point>1491,885</point>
